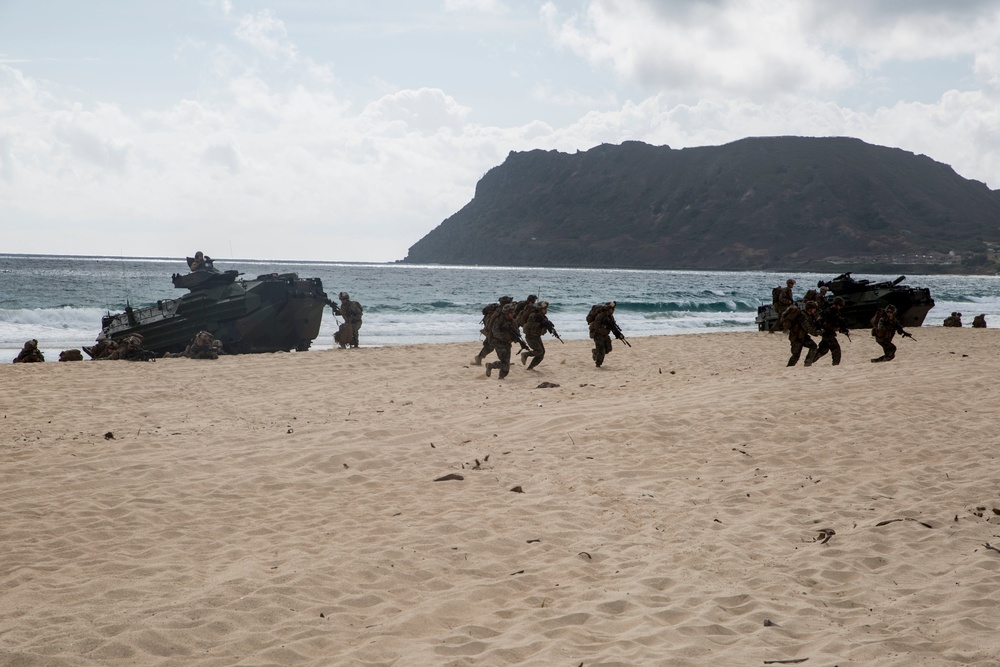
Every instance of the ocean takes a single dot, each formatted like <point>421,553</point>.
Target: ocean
<point>60,300</point>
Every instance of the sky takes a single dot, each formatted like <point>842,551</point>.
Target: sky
<point>346,131</point>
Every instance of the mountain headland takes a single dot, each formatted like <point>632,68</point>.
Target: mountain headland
<point>770,203</point>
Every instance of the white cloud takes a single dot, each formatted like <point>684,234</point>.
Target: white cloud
<point>266,34</point>
<point>484,6</point>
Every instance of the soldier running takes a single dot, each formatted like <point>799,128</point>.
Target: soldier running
<point>535,326</point>
<point>830,322</point>
<point>886,327</point>
<point>602,324</point>
<point>503,333</point>
<point>489,312</point>
<point>800,325</point>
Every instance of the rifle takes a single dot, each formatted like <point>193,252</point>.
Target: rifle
<point>907,335</point>
<point>556,335</point>
<point>846,333</point>
<point>619,335</point>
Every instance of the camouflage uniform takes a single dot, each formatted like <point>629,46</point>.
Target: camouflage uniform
<point>979,321</point>
<point>535,326</point>
<point>489,311</point>
<point>830,321</point>
<point>102,349</point>
<point>503,333</point>
<point>130,349</point>
<point>953,320</point>
<point>351,311</point>
<point>800,325</point>
<point>29,354</point>
<point>784,300</point>
<point>887,327</point>
<point>600,330</point>
<point>202,347</point>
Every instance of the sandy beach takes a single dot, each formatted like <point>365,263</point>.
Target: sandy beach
<point>694,502</point>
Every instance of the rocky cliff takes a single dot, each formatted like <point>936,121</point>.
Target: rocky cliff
<point>779,203</point>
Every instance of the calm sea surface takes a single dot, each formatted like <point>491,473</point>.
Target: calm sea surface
<point>60,300</point>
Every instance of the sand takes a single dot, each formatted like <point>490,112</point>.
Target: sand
<point>692,503</point>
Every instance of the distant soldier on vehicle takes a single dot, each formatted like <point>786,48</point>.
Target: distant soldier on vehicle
<point>887,326</point>
<point>29,354</point>
<point>535,326</point>
<point>503,333</point>
<point>201,262</point>
<point>601,320</point>
<point>979,321</point>
<point>830,322</point>
<point>352,312</point>
<point>953,320</point>
<point>800,325</point>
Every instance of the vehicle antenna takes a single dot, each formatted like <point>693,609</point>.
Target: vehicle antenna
<point>231,256</point>
<point>124,276</point>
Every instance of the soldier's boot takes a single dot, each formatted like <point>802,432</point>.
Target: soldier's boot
<point>502,374</point>
<point>534,362</point>
<point>524,358</point>
<point>477,360</point>
<point>889,357</point>
<point>593,354</point>
<point>878,359</point>
<point>489,369</point>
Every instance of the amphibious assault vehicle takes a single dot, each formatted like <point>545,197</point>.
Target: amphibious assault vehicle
<point>862,299</point>
<point>269,313</point>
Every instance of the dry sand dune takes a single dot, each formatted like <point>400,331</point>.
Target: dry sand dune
<point>692,503</point>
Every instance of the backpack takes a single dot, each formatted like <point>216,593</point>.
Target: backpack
<point>592,315</point>
<point>775,295</point>
<point>875,320</point>
<point>787,315</point>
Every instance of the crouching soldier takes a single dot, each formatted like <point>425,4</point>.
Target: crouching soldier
<point>29,354</point>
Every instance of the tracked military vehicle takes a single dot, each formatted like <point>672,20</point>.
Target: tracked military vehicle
<point>862,299</point>
<point>273,312</point>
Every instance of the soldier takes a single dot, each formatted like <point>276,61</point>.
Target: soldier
<point>131,349</point>
<point>535,326</point>
<point>800,325</point>
<point>523,308</point>
<point>29,354</point>
<point>503,333</point>
<point>979,321</point>
<point>830,321</point>
<point>489,311</point>
<point>953,320</point>
<point>823,299</point>
<point>103,348</point>
<point>602,324</point>
<point>783,300</point>
<point>202,347</point>
<point>351,311</point>
<point>200,262</point>
<point>885,328</point>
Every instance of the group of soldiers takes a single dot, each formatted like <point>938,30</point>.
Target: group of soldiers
<point>504,320</point>
<point>810,320</point>
<point>955,320</point>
